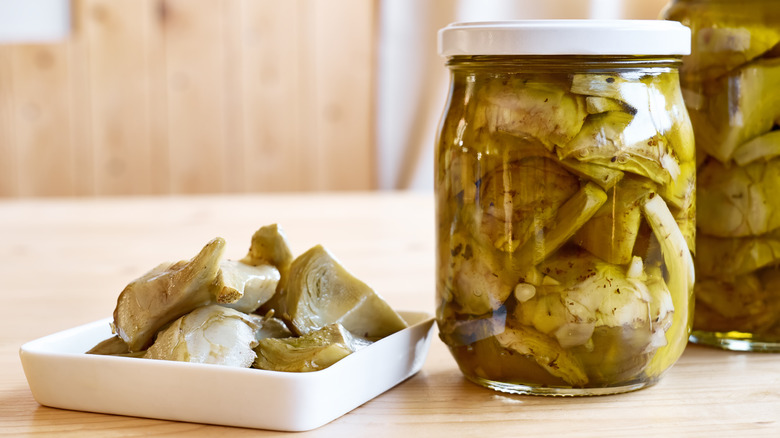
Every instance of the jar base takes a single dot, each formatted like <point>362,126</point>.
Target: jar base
<point>735,341</point>
<point>517,388</point>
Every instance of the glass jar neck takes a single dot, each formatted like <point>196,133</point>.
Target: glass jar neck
<point>562,62</point>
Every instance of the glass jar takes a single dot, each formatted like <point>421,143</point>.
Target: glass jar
<point>565,185</point>
<point>730,84</point>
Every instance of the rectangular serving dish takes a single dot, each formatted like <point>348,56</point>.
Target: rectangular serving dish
<point>61,375</point>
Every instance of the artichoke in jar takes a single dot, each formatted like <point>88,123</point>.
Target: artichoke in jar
<point>738,201</point>
<point>530,108</point>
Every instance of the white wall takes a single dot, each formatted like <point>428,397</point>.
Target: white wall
<point>413,79</point>
<point>29,21</point>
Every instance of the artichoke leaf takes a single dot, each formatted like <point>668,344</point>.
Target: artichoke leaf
<point>613,229</point>
<point>764,147</point>
<point>319,291</point>
<point>269,247</point>
<point>558,361</point>
<point>522,196</point>
<point>211,334</point>
<point>720,257</point>
<point>314,351</point>
<point>738,201</point>
<point>679,265</point>
<point>605,177</point>
<point>569,218</point>
<point>476,279</point>
<point>244,287</point>
<point>624,142</point>
<point>531,108</point>
<point>114,346</point>
<point>740,109</point>
<point>165,293</point>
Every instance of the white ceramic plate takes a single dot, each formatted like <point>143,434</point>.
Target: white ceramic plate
<point>60,375</point>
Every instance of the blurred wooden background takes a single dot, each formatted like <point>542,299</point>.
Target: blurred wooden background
<point>193,96</point>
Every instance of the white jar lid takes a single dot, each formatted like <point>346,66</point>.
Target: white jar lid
<point>565,37</point>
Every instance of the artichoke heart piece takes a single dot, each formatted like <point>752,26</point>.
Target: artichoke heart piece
<point>740,109</point>
<point>612,231</point>
<point>725,257</point>
<point>165,293</point>
<point>319,291</point>
<point>624,142</point>
<point>679,265</point>
<point>114,346</point>
<point>605,177</point>
<point>244,287</point>
<point>738,201</point>
<point>211,334</point>
<point>590,294</point>
<point>764,147</point>
<point>525,107</point>
<point>546,352</point>
<point>269,247</point>
<point>311,352</point>
<point>476,280</point>
<point>521,196</point>
<point>569,218</point>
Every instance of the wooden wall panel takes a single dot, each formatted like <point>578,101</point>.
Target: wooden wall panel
<point>8,175</point>
<point>42,120</point>
<point>273,125</point>
<point>341,94</point>
<point>193,96</point>
<point>119,74</point>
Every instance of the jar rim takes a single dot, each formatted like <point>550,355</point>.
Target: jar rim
<point>565,37</point>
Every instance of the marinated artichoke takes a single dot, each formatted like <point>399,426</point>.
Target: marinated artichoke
<point>566,213</point>
<point>318,291</point>
<point>211,334</point>
<point>314,351</point>
<point>208,310</point>
<point>730,85</point>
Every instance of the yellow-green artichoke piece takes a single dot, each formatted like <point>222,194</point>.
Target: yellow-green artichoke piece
<point>679,266</point>
<point>723,40</point>
<point>764,147</point>
<point>748,301</point>
<point>244,287</point>
<point>314,351</point>
<point>546,352</point>
<point>527,107</point>
<point>270,327</point>
<point>738,201</point>
<point>605,177</point>
<point>624,142</point>
<point>612,231</point>
<point>521,197</point>
<point>569,218</point>
<point>319,291</point>
<point>476,281</point>
<point>741,106</point>
<point>726,257</point>
<point>211,334</point>
<point>457,331</point>
<point>165,293</point>
<point>591,293</point>
<point>113,346</point>
<point>269,247</point>
<point>598,105</point>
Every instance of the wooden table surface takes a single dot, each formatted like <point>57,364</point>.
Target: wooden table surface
<point>64,261</point>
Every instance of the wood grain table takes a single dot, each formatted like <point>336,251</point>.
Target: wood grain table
<point>64,261</point>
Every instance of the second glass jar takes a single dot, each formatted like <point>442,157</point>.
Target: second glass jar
<point>565,196</point>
